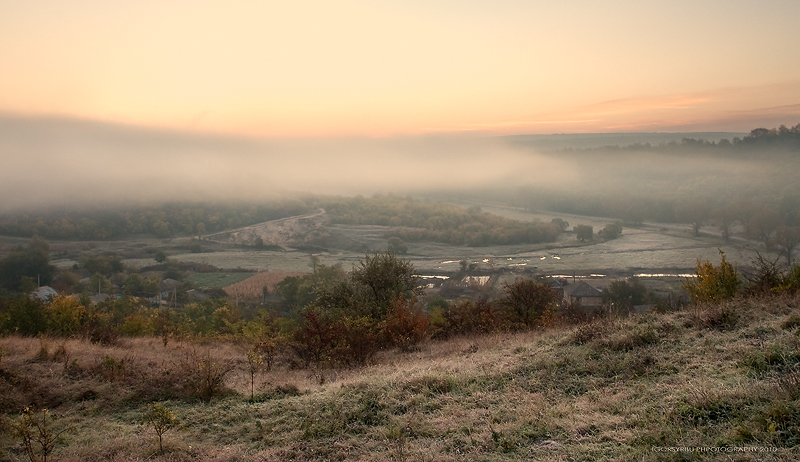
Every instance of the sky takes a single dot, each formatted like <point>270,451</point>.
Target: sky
<point>351,68</point>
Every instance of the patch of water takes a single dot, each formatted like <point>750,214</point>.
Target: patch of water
<point>664,275</point>
<point>480,280</point>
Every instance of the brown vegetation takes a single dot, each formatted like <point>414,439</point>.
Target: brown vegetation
<point>253,287</point>
<point>609,389</point>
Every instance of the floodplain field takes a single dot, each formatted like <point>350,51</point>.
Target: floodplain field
<point>647,249</point>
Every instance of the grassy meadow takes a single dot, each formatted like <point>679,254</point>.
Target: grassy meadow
<point>725,375</point>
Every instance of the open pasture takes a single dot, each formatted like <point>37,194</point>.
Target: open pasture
<point>660,248</point>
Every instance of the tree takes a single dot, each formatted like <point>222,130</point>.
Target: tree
<point>313,263</point>
<point>625,294</point>
<point>527,302</point>
<point>611,231</point>
<point>105,265</point>
<point>561,223</point>
<point>161,419</point>
<point>396,245</point>
<point>789,208</point>
<point>254,363</point>
<point>725,217</point>
<point>762,225</point>
<point>161,229</point>
<point>27,264</point>
<point>694,212</point>
<point>383,278</point>
<point>584,232</point>
<point>788,237</point>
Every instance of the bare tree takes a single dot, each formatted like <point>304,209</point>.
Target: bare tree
<point>762,225</point>
<point>694,212</point>
<point>788,237</point>
<point>725,217</point>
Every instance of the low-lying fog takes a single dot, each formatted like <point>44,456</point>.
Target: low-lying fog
<point>61,161</point>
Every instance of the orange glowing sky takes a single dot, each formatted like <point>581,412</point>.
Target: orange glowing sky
<point>382,68</point>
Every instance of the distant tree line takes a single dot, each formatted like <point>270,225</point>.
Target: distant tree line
<point>417,220</point>
<point>783,138</point>
<point>410,219</point>
<point>81,223</point>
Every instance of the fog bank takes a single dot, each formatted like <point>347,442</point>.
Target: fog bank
<point>61,161</point>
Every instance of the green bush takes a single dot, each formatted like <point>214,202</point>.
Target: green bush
<point>161,419</point>
<point>611,231</point>
<point>38,434</point>
<point>713,284</point>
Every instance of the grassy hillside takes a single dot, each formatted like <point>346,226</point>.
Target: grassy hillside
<point>708,376</point>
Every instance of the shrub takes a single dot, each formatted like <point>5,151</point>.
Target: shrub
<point>722,316</point>
<point>791,322</point>
<point>269,335</point>
<point>589,331</point>
<point>281,391</point>
<point>766,276</point>
<point>396,245</point>
<point>65,315</point>
<point>406,325</point>
<point>316,337</point>
<point>44,350</point>
<point>360,340</point>
<point>713,283</point>
<point>791,280</point>
<point>37,433</point>
<point>208,376</point>
<point>638,337</point>
<point>113,369</point>
<point>466,317</point>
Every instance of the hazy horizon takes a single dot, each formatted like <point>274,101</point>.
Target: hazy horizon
<point>57,161</point>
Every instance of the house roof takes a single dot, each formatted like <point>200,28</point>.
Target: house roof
<point>581,289</point>
<point>44,293</point>
<point>199,295</point>
<point>100,298</point>
<point>169,284</point>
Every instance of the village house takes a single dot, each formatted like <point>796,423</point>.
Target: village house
<point>584,295</point>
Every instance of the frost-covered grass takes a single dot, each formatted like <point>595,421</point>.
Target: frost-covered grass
<point>607,390</point>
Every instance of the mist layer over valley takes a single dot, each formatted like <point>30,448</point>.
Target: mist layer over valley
<point>62,173</point>
<point>71,163</point>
